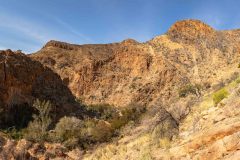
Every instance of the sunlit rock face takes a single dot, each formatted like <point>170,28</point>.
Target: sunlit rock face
<point>190,31</point>
<point>133,72</point>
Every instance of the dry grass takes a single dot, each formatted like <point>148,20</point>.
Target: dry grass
<point>145,146</point>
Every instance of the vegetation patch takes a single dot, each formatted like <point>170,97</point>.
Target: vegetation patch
<point>237,80</point>
<point>190,89</point>
<point>37,129</point>
<point>103,123</point>
<point>220,95</point>
<point>13,133</point>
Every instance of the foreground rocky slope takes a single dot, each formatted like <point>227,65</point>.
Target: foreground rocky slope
<point>211,132</point>
<point>208,132</point>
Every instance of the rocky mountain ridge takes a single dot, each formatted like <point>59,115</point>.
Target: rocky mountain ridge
<point>130,72</point>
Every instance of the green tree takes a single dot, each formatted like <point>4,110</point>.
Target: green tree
<point>37,129</point>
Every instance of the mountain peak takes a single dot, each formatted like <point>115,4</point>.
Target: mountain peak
<point>59,44</point>
<point>129,41</point>
<point>190,30</point>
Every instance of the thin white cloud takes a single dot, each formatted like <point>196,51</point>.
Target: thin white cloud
<point>23,27</point>
<point>40,32</point>
<point>36,33</point>
<point>73,31</point>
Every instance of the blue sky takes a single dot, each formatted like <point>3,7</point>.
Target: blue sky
<point>29,24</point>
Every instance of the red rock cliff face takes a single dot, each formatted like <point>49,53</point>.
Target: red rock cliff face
<point>22,80</point>
<point>126,72</point>
<point>118,73</point>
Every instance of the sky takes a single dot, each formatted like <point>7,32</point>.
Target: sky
<point>29,24</point>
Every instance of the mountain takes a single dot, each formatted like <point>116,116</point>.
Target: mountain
<point>130,72</point>
<point>188,79</point>
<point>173,74</point>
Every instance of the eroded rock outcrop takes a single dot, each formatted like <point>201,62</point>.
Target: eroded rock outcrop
<point>25,150</point>
<point>190,31</point>
<point>23,80</point>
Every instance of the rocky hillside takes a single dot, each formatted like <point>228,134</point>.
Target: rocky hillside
<point>130,72</point>
<point>188,78</point>
<point>209,131</point>
<point>23,80</point>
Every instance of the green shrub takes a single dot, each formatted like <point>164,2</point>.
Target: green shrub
<point>189,89</point>
<point>220,95</point>
<point>71,143</point>
<point>13,133</point>
<point>37,129</point>
<point>116,116</point>
<point>68,128</point>
<point>165,129</point>
<point>74,132</point>
<point>102,131</point>
<point>129,113</point>
<point>107,119</point>
<point>102,111</point>
<point>68,131</point>
<point>238,80</point>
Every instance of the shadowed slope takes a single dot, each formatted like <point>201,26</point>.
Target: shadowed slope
<point>22,80</point>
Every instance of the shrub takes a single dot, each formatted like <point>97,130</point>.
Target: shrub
<point>165,129</point>
<point>74,132</point>
<point>220,95</point>
<point>102,111</point>
<point>131,112</point>
<point>37,129</point>
<point>68,128</point>
<point>238,80</point>
<point>69,131</point>
<point>71,143</point>
<point>102,131</point>
<point>189,89</point>
<point>14,133</point>
<point>115,115</point>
